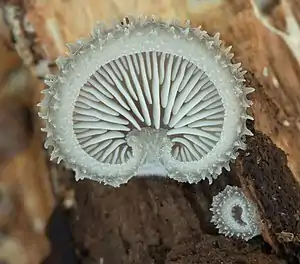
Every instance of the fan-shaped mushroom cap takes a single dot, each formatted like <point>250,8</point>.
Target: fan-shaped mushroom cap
<point>146,97</point>
<point>234,215</point>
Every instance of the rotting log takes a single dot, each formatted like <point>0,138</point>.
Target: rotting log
<point>24,173</point>
<point>160,221</point>
<point>26,199</point>
<point>277,96</point>
<point>153,220</point>
<point>52,24</point>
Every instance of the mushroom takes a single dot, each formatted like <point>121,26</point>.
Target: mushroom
<point>146,97</point>
<point>234,215</point>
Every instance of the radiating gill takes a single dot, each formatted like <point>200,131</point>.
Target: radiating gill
<point>148,89</point>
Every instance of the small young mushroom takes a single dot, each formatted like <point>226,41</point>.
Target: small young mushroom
<point>146,97</point>
<point>234,215</point>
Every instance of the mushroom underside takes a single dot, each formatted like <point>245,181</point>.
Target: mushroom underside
<point>148,91</point>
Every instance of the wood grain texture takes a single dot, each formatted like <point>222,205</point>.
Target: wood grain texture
<point>265,55</point>
<point>58,22</point>
<point>261,52</point>
<point>23,165</point>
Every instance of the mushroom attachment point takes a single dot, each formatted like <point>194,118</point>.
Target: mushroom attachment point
<point>234,215</point>
<point>146,97</point>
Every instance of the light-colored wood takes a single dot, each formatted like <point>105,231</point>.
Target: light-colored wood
<point>266,55</point>
<point>58,22</point>
<point>24,175</point>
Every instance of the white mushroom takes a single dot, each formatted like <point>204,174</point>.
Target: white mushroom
<point>146,98</point>
<point>234,215</point>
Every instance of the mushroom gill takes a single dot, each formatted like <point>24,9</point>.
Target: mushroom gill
<point>146,97</point>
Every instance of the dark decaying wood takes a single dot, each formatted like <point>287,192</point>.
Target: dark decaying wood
<point>153,220</point>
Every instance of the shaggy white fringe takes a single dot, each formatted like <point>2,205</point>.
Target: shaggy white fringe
<point>223,216</point>
<point>101,125</point>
